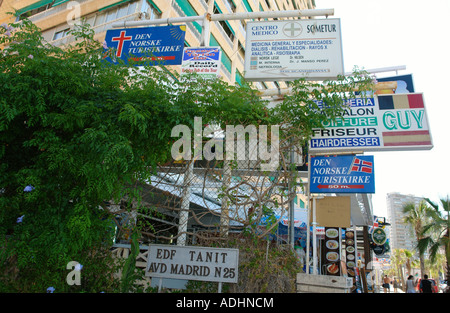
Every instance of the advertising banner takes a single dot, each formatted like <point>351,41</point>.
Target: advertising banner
<point>292,49</point>
<point>158,45</point>
<point>379,236</point>
<point>384,122</point>
<point>342,174</point>
<point>404,84</point>
<point>204,61</point>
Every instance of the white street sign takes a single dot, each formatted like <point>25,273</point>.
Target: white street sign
<point>292,49</point>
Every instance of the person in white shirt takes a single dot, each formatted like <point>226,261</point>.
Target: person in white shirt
<point>410,285</point>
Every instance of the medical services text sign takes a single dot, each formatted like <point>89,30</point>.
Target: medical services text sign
<point>342,174</point>
<point>158,45</point>
<point>292,49</point>
<point>384,122</point>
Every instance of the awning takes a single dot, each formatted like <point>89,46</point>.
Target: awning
<point>154,6</point>
<point>113,5</point>
<point>58,2</point>
<point>33,6</point>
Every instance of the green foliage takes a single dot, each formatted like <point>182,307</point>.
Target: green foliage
<point>264,267</point>
<point>80,132</point>
<point>76,131</point>
<point>130,274</point>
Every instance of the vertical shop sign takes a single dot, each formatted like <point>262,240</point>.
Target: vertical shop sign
<point>331,254</point>
<point>350,255</point>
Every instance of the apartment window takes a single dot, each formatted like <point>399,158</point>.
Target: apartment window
<point>232,5</point>
<point>247,6</point>
<point>119,11</point>
<point>132,8</point>
<point>100,19</point>
<point>225,25</point>
<point>61,34</point>
<point>34,9</point>
<point>151,10</point>
<point>122,11</point>
<point>111,16</point>
<point>241,50</point>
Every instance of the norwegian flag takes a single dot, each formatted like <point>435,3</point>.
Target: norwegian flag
<point>359,165</point>
<point>375,222</point>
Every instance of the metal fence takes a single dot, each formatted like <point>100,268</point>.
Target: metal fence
<point>227,190</point>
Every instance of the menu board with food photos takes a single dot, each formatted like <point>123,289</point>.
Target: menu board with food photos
<point>350,254</point>
<point>331,254</point>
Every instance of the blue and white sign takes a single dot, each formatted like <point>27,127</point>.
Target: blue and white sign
<point>159,45</point>
<point>342,174</point>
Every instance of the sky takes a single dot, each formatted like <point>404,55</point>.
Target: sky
<point>411,33</point>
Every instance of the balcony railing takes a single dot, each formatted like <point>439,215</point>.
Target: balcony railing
<point>52,11</point>
<point>97,29</point>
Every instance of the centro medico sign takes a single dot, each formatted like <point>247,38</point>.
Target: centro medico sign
<point>292,49</point>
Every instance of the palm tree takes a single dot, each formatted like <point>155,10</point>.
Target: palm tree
<point>398,258</point>
<point>416,216</point>
<point>436,234</point>
<point>408,261</point>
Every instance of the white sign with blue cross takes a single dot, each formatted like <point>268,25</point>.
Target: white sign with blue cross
<point>292,49</point>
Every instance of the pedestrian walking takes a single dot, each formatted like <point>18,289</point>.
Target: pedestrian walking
<point>425,285</point>
<point>410,285</point>
<point>395,283</point>
<point>386,284</point>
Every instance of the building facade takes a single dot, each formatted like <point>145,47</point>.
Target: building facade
<point>56,17</point>
<point>401,234</point>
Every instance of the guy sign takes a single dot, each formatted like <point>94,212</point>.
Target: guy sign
<point>384,122</point>
<point>193,263</point>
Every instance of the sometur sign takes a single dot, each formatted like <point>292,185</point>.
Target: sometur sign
<point>193,263</point>
<point>384,122</point>
<point>292,49</point>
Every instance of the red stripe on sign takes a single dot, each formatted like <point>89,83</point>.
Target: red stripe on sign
<point>407,133</point>
<point>408,143</point>
<point>172,57</point>
<point>153,58</point>
<point>340,186</point>
<point>415,101</point>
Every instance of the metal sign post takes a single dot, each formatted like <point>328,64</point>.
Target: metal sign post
<point>208,17</point>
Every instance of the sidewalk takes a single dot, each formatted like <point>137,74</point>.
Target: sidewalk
<point>391,290</point>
